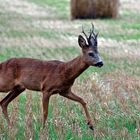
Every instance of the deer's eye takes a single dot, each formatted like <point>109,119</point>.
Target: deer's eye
<point>91,54</point>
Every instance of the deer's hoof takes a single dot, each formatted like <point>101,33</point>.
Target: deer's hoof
<point>90,126</point>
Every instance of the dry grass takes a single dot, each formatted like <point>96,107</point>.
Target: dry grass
<point>111,98</point>
<point>111,93</point>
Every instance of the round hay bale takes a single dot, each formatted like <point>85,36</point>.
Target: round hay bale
<point>94,9</point>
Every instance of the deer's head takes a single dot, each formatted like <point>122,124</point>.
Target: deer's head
<point>89,47</point>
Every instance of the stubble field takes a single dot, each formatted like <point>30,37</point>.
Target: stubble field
<point>42,29</point>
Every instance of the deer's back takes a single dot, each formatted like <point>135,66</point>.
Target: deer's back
<point>25,71</point>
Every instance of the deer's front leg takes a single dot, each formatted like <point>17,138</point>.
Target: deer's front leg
<point>78,99</point>
<point>45,103</point>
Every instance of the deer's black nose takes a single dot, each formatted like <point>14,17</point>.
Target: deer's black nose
<point>99,64</point>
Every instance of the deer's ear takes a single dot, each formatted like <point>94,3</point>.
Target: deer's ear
<point>82,42</point>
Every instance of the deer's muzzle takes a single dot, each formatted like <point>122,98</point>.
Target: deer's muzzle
<point>99,64</point>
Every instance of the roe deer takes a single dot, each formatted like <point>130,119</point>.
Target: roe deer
<point>49,77</point>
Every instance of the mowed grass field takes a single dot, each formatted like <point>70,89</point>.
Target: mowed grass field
<point>42,29</point>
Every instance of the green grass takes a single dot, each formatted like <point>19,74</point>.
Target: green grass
<point>122,31</point>
<point>48,33</point>
<point>60,7</point>
<point>122,36</point>
<point>134,26</point>
<point>45,53</point>
<point>45,34</point>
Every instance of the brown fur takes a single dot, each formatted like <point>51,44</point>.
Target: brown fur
<point>39,75</point>
<point>94,8</point>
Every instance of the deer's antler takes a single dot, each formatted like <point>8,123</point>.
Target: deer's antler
<point>92,31</point>
<point>84,33</point>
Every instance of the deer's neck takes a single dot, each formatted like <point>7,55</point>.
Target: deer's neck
<point>75,67</point>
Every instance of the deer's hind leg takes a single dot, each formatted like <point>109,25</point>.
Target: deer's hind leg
<point>78,99</point>
<point>11,95</point>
